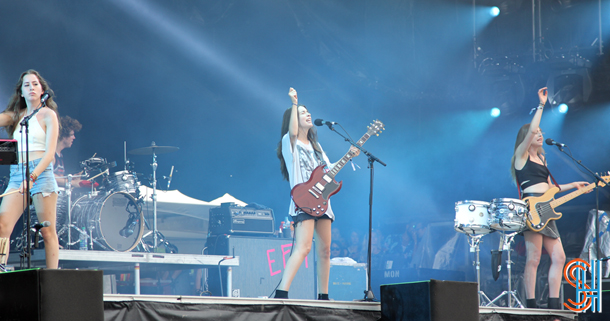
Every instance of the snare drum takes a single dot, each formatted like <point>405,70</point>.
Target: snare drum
<point>508,214</point>
<point>472,217</point>
<point>122,181</point>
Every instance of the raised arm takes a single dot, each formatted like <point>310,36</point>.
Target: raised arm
<point>293,127</point>
<point>521,151</point>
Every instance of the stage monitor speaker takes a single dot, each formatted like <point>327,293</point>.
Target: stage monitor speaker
<point>261,265</point>
<point>431,300</point>
<point>49,295</point>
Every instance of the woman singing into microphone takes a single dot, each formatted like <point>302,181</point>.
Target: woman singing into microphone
<point>300,153</point>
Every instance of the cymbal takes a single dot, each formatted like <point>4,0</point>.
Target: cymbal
<point>153,149</point>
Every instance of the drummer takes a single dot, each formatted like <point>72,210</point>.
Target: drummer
<point>69,126</point>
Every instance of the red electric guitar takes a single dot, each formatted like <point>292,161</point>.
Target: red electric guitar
<point>312,196</point>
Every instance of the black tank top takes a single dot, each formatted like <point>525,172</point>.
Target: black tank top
<point>531,174</point>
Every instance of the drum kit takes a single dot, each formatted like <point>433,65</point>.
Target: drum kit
<point>109,216</point>
<point>477,218</point>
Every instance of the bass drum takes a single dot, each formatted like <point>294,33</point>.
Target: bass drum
<point>114,221</point>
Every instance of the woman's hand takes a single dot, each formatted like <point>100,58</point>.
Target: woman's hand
<point>543,94</point>
<point>579,185</point>
<point>354,151</point>
<point>22,187</point>
<point>293,96</point>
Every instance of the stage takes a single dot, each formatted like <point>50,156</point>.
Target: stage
<point>155,307</point>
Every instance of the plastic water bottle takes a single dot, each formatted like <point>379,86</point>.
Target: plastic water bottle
<point>286,228</point>
<point>83,240</point>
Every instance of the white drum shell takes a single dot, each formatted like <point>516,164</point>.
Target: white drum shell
<point>472,217</point>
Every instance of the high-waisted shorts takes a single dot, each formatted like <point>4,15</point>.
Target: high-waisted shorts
<point>45,183</point>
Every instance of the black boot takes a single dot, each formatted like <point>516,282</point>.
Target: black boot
<point>281,294</point>
<point>554,304</point>
<point>531,304</point>
<point>323,296</point>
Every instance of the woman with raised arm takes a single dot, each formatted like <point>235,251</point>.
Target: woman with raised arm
<point>300,153</point>
<point>42,141</point>
<point>530,173</point>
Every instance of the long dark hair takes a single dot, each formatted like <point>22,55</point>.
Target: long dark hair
<point>520,137</point>
<point>312,136</point>
<point>17,103</point>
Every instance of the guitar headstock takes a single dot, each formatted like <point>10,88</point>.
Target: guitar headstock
<point>606,180</point>
<point>375,128</point>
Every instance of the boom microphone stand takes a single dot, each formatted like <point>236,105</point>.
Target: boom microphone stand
<point>25,123</point>
<point>368,293</point>
<point>598,180</point>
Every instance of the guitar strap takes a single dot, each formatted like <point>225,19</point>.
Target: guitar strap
<point>552,178</point>
<point>320,159</point>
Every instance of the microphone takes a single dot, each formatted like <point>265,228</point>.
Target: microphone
<point>129,228</point>
<point>320,122</point>
<point>38,226</point>
<point>169,181</point>
<point>550,141</point>
<point>44,97</point>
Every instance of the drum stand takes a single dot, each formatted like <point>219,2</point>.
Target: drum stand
<point>474,241</point>
<point>507,239</point>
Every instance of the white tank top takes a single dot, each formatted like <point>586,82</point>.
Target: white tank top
<point>37,137</point>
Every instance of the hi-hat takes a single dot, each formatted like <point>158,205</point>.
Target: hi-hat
<point>153,149</point>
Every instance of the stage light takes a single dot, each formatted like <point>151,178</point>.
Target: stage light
<point>562,108</point>
<point>494,11</point>
<point>495,112</point>
<point>570,86</point>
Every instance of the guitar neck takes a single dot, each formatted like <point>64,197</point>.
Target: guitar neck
<point>339,165</point>
<point>566,198</point>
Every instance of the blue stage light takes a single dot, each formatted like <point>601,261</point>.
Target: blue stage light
<point>495,112</point>
<point>562,108</point>
<point>494,11</point>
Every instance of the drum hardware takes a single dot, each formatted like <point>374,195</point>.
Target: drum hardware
<point>474,242</point>
<point>68,192</point>
<point>154,150</point>
<point>511,294</point>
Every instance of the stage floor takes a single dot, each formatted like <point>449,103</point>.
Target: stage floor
<point>118,307</point>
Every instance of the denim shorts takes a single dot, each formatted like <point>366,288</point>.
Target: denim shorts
<point>300,217</point>
<point>45,183</point>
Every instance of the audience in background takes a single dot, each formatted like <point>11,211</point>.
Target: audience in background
<point>354,248</point>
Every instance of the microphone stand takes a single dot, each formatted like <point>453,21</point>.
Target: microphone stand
<point>598,179</point>
<point>368,293</point>
<point>25,122</point>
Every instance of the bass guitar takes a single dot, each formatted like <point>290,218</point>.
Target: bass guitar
<point>312,196</point>
<point>542,208</point>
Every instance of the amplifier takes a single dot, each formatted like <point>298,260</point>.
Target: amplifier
<point>231,219</point>
<point>8,151</point>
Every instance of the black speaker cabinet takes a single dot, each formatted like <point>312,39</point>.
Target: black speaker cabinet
<point>261,264</point>
<point>431,300</point>
<point>51,295</point>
